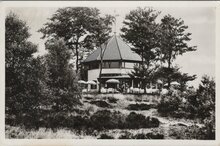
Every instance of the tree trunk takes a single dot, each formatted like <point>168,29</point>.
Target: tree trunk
<point>77,57</point>
<point>142,56</point>
<point>144,85</point>
<point>169,66</point>
<point>100,72</point>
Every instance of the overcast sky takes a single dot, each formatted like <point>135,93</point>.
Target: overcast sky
<point>201,22</point>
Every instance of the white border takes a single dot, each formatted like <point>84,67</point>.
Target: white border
<point>89,142</point>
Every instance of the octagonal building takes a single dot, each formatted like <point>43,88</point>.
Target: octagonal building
<point>118,62</point>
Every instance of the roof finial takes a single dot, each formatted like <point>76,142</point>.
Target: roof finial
<point>115,22</point>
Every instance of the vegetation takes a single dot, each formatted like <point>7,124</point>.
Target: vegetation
<point>79,27</point>
<point>141,30</point>
<point>173,40</point>
<point>199,105</point>
<point>139,106</point>
<point>42,92</point>
<point>23,74</point>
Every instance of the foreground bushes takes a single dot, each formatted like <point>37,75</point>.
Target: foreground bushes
<point>151,135</point>
<point>101,103</point>
<point>113,120</point>
<point>191,132</point>
<point>140,107</point>
<point>106,119</point>
<point>136,121</point>
<point>100,120</point>
<point>198,104</point>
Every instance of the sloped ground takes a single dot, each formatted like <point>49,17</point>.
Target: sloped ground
<point>146,105</point>
<point>167,127</point>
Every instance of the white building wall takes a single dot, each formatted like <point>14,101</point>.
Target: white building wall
<point>93,74</point>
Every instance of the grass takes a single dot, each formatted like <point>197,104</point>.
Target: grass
<point>42,133</point>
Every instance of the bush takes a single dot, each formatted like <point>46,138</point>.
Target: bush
<point>152,122</point>
<point>154,136</point>
<point>128,135</point>
<point>136,121</point>
<point>105,136</point>
<point>168,104</point>
<point>139,107</point>
<point>106,119</point>
<point>112,100</point>
<point>125,135</point>
<point>101,103</point>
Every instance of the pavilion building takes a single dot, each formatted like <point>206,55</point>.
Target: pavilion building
<point>118,61</point>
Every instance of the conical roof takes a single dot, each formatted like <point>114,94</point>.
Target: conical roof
<point>115,50</point>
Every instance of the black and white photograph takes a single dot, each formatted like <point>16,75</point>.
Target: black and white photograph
<point>110,72</point>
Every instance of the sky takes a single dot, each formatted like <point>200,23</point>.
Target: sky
<point>201,22</point>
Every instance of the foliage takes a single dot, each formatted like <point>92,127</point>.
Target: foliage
<point>140,107</point>
<point>106,119</point>
<point>191,132</point>
<point>174,74</point>
<point>144,74</point>
<point>23,72</point>
<point>206,97</point>
<point>148,136</point>
<point>77,25</point>
<point>183,78</point>
<point>199,104</point>
<point>169,104</point>
<point>141,30</point>
<point>151,135</point>
<point>112,99</point>
<point>101,103</point>
<point>105,136</point>
<point>173,40</point>
<point>125,135</point>
<point>60,77</point>
<point>136,121</point>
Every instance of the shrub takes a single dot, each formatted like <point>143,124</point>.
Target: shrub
<point>88,98</point>
<point>125,135</point>
<point>154,136</point>
<point>106,119</point>
<point>101,103</point>
<point>139,136</point>
<point>139,107</point>
<point>105,136</point>
<point>152,122</point>
<point>168,104</point>
<point>112,100</point>
<point>136,121</point>
<point>128,135</point>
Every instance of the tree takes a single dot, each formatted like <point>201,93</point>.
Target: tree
<point>23,72</point>
<point>206,97</point>
<point>141,31</point>
<point>183,78</point>
<point>163,73</point>
<point>73,25</point>
<point>61,79</point>
<point>145,74</point>
<point>100,33</point>
<point>173,40</point>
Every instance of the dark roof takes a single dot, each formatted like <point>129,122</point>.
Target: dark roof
<point>116,49</point>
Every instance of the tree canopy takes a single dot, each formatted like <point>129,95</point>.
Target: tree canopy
<point>23,71</point>
<point>77,26</point>
<point>173,40</point>
<point>141,31</point>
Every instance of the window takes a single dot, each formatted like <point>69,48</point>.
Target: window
<point>129,65</point>
<point>115,65</point>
